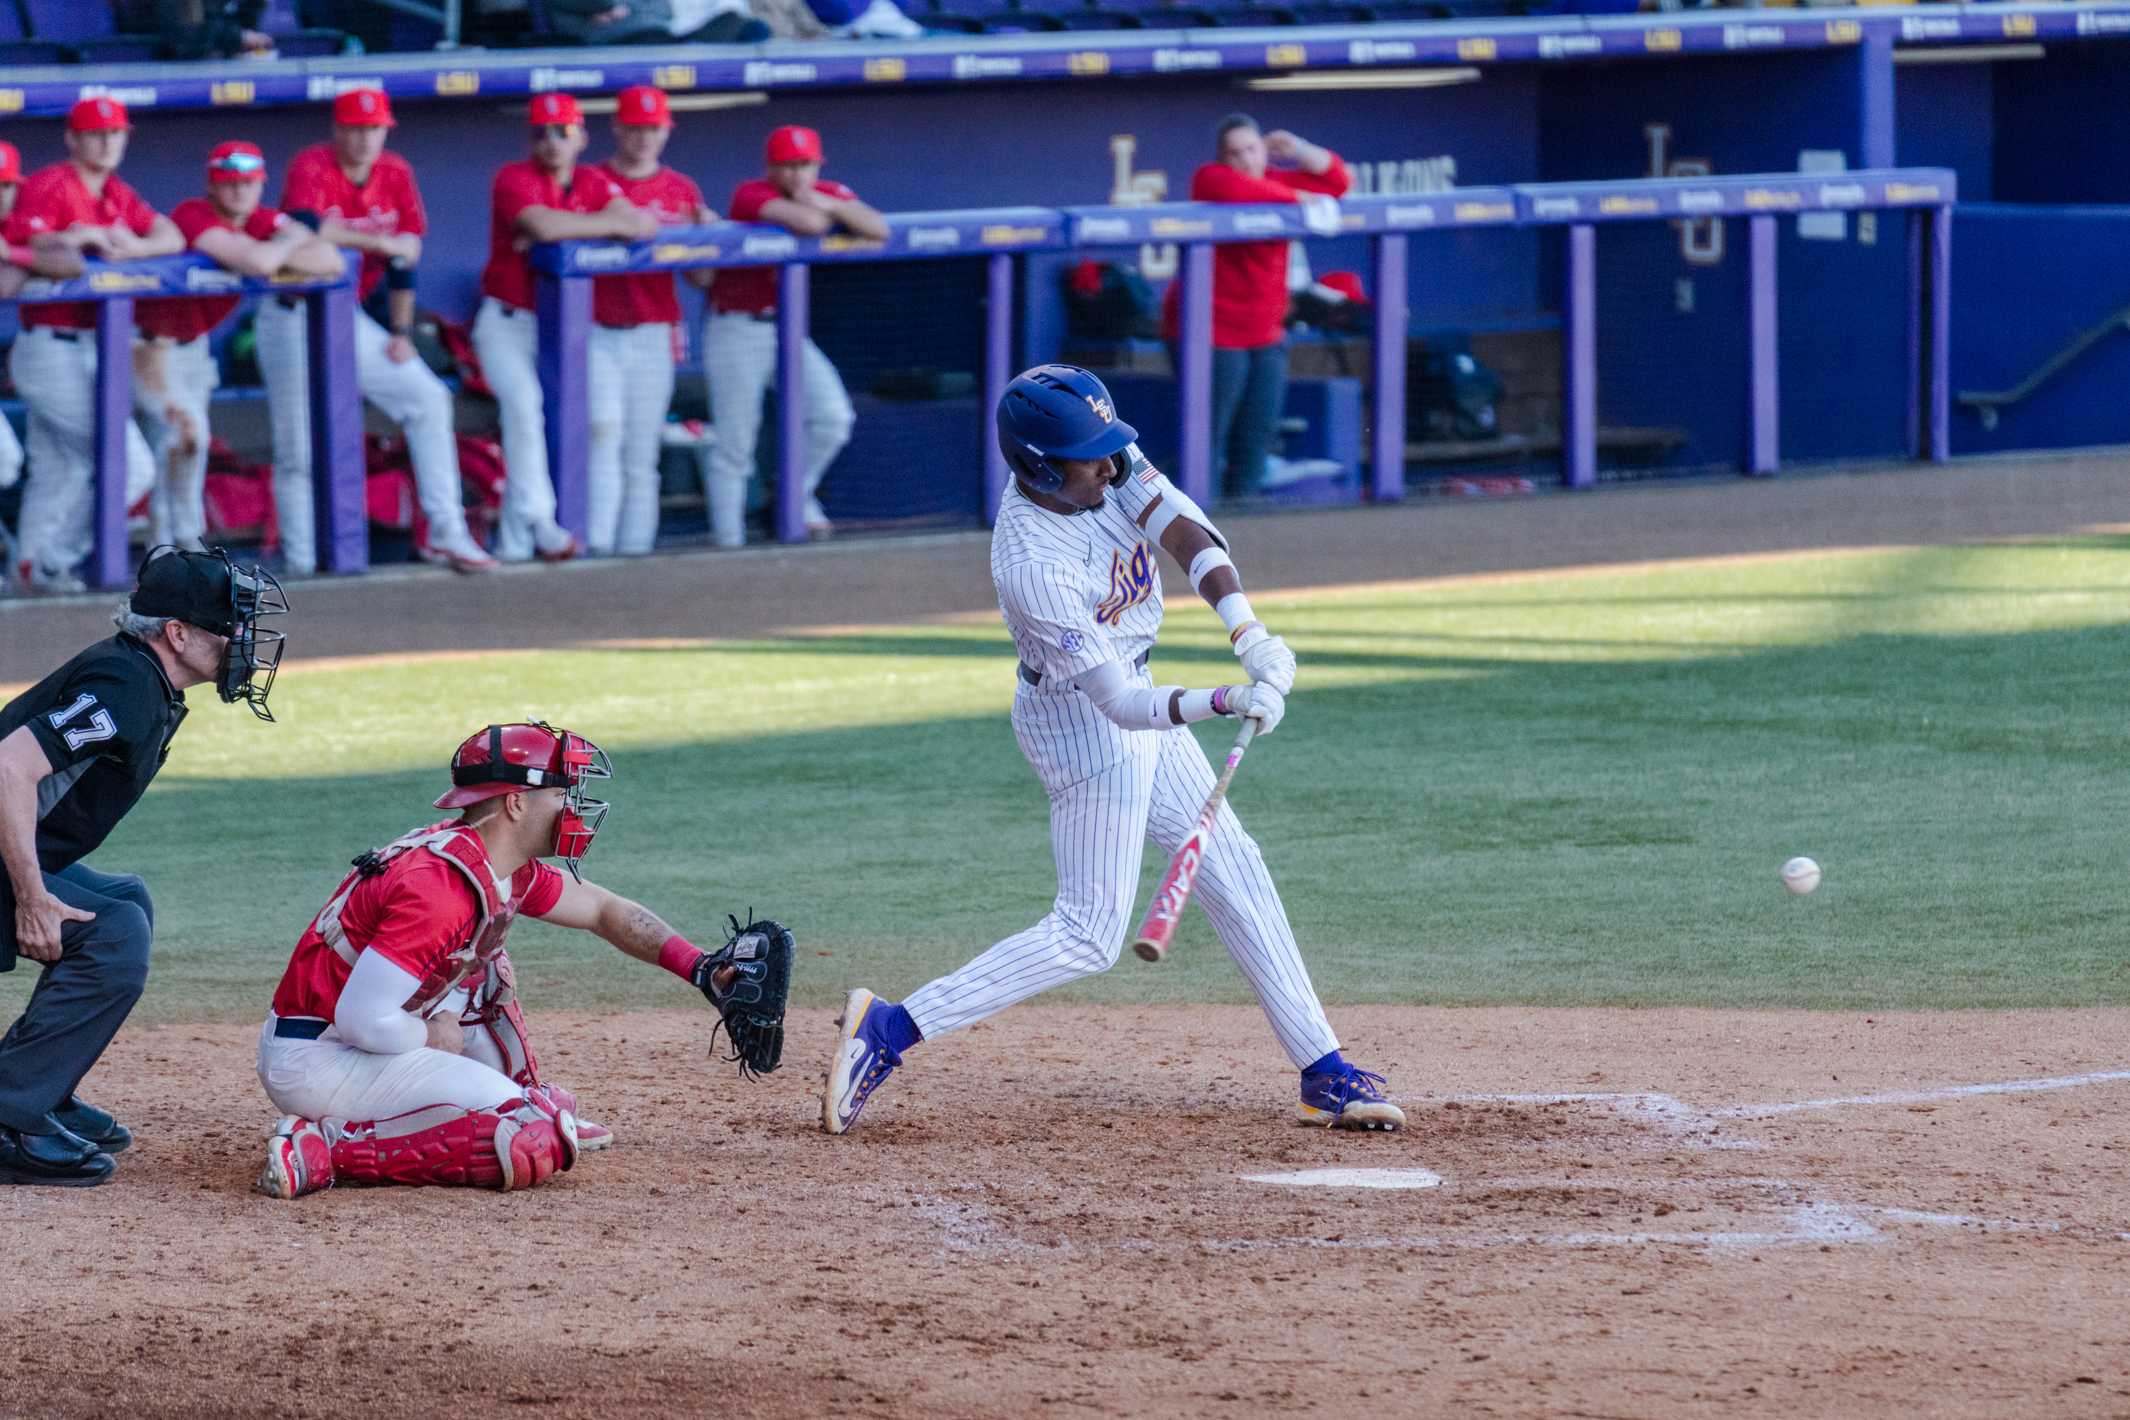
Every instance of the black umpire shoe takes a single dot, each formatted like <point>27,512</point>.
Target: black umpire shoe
<point>85,1121</point>
<point>59,1159</point>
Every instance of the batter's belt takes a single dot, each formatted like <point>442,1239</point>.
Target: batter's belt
<point>1035,677</point>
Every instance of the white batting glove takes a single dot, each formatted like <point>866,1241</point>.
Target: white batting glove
<point>1259,702</point>
<point>1266,658</point>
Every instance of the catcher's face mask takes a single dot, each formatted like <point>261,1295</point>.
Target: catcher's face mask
<point>503,759</point>
<point>578,824</point>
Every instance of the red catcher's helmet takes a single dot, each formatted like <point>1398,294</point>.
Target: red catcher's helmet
<point>504,759</point>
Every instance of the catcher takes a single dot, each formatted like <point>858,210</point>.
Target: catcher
<point>396,1044</point>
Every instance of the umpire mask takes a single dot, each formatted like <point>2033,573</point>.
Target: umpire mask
<point>207,590</point>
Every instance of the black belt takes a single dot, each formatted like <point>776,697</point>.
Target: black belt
<point>69,336</point>
<point>768,315</point>
<point>288,303</point>
<point>299,1027</point>
<point>1035,677</point>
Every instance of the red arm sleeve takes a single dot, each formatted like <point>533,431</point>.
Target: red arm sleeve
<point>1217,182</point>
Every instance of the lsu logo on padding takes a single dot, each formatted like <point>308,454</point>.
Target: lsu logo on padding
<point>1130,583</point>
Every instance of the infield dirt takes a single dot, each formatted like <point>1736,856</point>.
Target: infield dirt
<point>1640,1213</point>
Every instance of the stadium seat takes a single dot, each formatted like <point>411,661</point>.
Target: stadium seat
<point>29,54</point>
<point>118,49</point>
<point>69,22</point>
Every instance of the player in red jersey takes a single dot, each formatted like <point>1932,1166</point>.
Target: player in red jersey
<point>1250,287</point>
<point>174,370</point>
<point>44,255</point>
<point>363,198</point>
<point>396,1045</point>
<point>636,331</point>
<point>740,336</point>
<point>549,197</point>
<point>82,205</point>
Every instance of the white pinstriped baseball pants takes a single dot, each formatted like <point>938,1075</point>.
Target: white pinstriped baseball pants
<point>629,396</point>
<point>57,380</point>
<point>1110,790</point>
<point>408,392</point>
<point>740,360</point>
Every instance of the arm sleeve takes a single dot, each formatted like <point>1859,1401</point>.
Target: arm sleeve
<point>1332,182</point>
<point>96,715</point>
<point>370,1014</point>
<point>413,217</point>
<point>1217,182</point>
<point>1143,707</point>
<point>1050,605</point>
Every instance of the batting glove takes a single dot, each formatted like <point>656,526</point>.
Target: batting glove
<point>1260,702</point>
<point>1266,658</point>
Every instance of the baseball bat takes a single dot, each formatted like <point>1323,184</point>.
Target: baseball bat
<point>1158,928</point>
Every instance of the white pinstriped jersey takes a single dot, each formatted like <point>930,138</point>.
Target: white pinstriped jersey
<point>1077,589</point>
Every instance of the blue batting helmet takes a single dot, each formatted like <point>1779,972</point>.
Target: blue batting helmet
<point>1057,412</point>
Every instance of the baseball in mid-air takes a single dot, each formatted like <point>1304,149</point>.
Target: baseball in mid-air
<point>1800,875</point>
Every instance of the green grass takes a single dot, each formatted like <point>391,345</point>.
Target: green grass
<point>1567,789</point>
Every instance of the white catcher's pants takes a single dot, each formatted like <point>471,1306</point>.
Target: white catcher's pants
<point>1111,790</point>
<point>740,359</point>
<point>408,392</point>
<point>630,390</point>
<point>328,1078</point>
<point>190,378</point>
<point>57,380</point>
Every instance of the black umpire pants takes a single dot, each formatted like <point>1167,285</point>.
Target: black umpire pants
<point>81,1000</point>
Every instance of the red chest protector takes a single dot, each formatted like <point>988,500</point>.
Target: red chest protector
<point>495,907</point>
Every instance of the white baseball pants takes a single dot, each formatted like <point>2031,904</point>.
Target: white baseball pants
<point>328,1078</point>
<point>177,509</point>
<point>10,455</point>
<point>1110,790</point>
<point>508,341</point>
<point>56,377</point>
<point>630,390</point>
<point>408,392</point>
<point>740,359</point>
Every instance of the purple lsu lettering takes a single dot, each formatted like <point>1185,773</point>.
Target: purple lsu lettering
<point>1130,583</point>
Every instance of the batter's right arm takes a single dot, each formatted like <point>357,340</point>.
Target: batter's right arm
<point>38,915</point>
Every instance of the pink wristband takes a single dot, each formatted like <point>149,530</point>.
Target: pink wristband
<point>679,956</point>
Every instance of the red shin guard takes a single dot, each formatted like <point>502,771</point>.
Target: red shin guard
<point>518,1144</point>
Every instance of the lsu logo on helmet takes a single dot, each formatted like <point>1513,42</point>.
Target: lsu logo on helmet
<point>1101,408</point>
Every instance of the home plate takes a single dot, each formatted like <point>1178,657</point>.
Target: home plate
<point>1350,1178</point>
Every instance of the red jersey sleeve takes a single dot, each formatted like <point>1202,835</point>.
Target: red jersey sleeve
<point>1332,182</point>
<point>413,217</point>
<point>194,216</point>
<point>594,188</point>
<point>539,887</point>
<point>748,199</point>
<point>1217,182</point>
<point>837,190</point>
<point>33,210</point>
<point>423,920</point>
<point>134,211</point>
<point>264,224</point>
<point>513,193</point>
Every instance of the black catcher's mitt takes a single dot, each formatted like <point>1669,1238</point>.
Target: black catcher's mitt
<point>751,1011</point>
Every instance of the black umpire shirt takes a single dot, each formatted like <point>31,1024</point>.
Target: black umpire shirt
<point>105,721</point>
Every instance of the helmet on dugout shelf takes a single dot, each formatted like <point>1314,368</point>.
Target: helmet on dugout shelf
<point>506,759</point>
<point>1057,412</point>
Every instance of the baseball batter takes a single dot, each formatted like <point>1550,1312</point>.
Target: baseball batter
<point>740,336</point>
<point>1072,557</point>
<point>174,384</point>
<point>637,331</point>
<point>549,198</point>
<point>361,198</point>
<point>84,205</point>
<point>396,1044</point>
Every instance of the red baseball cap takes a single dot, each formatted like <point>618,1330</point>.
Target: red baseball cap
<point>554,108</point>
<point>363,108</point>
<point>643,106</point>
<point>98,115</point>
<point>10,163</point>
<point>793,144</point>
<point>236,161</point>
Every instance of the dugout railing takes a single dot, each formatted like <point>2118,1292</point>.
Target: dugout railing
<point>335,398</point>
<point>1001,237</point>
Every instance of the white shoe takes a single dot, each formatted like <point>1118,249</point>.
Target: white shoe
<point>459,552</point>
<point>880,20</point>
<point>1280,472</point>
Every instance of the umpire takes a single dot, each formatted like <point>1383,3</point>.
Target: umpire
<point>77,751</point>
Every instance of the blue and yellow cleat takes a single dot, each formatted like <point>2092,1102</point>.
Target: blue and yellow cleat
<point>863,1059</point>
<point>1350,1098</point>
